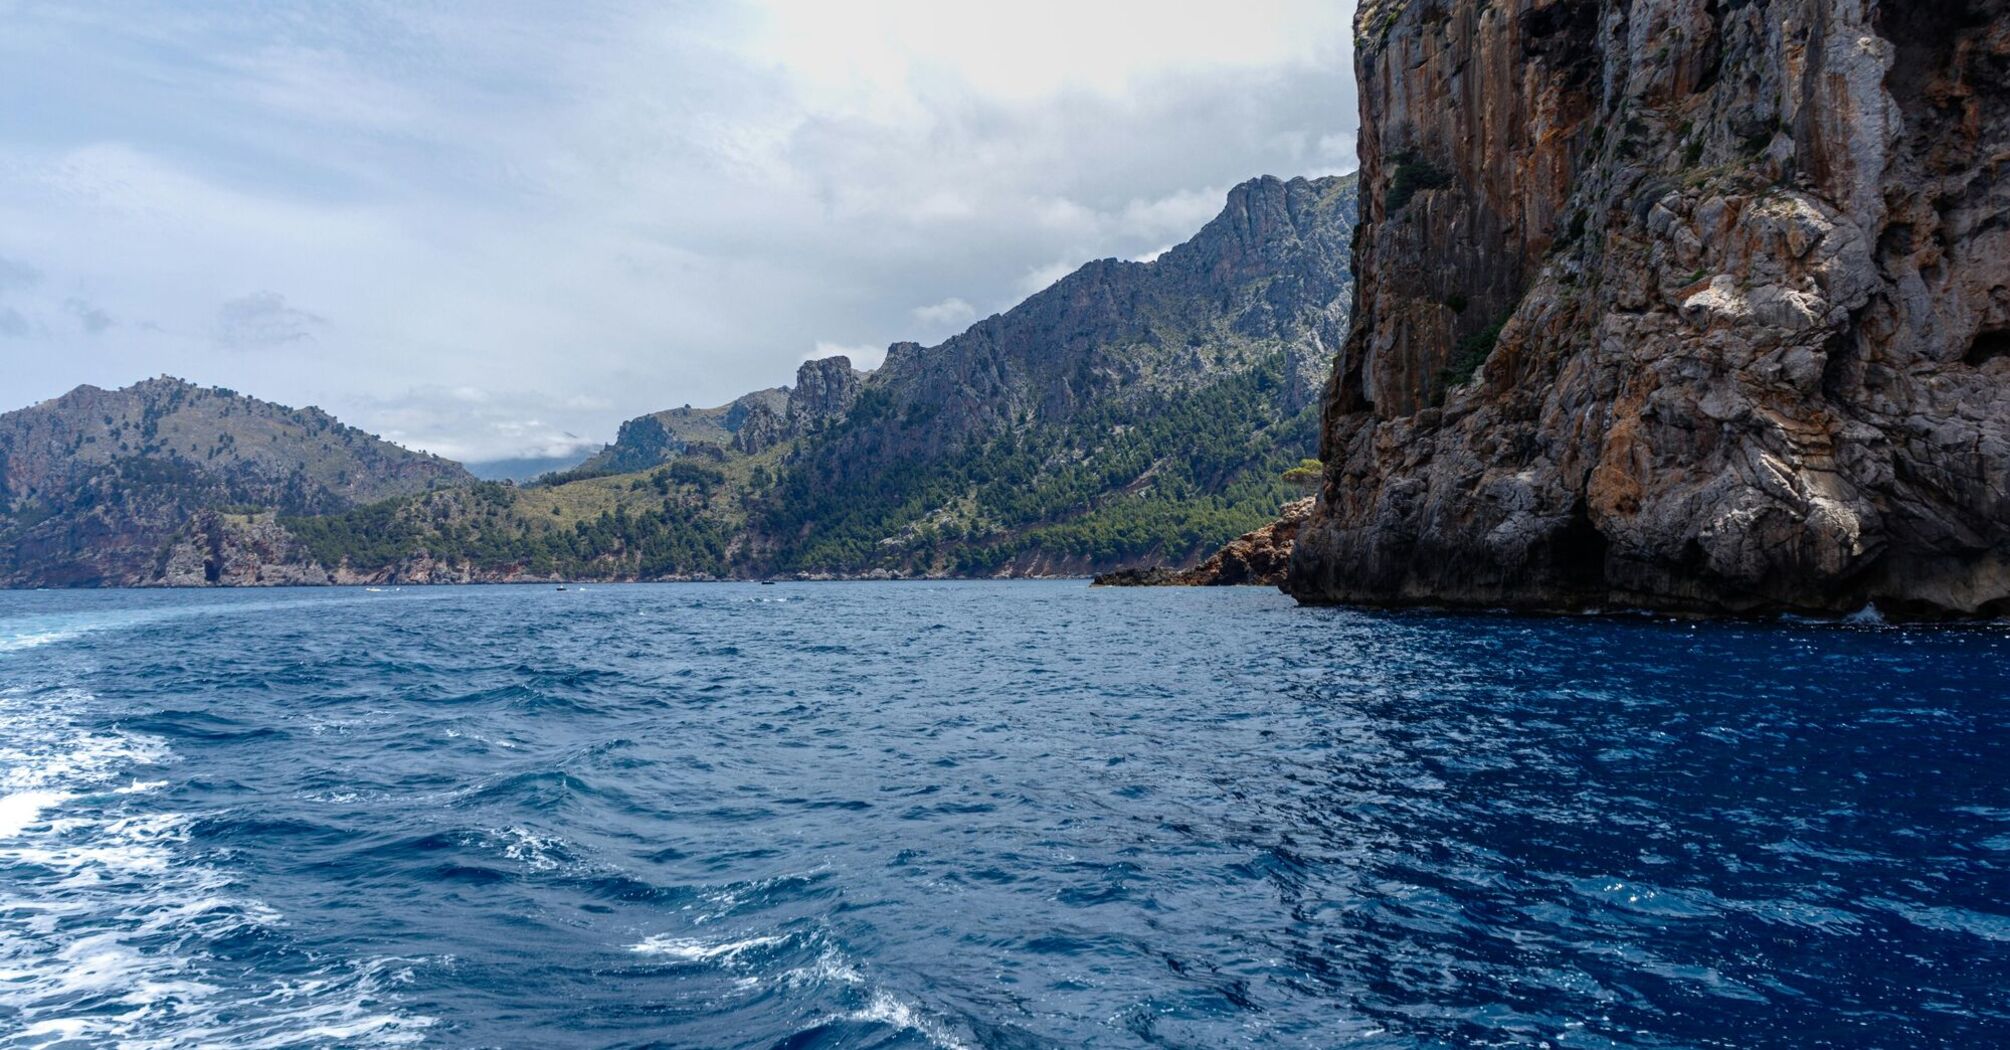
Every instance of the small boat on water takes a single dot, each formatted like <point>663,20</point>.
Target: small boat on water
<point>561,586</point>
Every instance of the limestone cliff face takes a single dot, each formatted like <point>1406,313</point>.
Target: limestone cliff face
<point>1685,304</point>
<point>1269,271</point>
<point>1070,433</point>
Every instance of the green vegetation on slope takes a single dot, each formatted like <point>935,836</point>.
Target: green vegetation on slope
<point>1162,474</point>
<point>657,530</point>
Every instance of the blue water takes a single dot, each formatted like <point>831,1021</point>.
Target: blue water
<point>987,815</point>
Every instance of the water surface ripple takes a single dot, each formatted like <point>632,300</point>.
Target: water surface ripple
<point>987,815</point>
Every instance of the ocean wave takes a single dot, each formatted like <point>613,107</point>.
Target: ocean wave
<point>107,923</point>
<point>531,849</point>
<point>693,949</point>
<point>894,1012</point>
<point>13,643</point>
<point>810,964</point>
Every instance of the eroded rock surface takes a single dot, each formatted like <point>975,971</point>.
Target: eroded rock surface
<point>1681,304</point>
<point>825,390</point>
<point>1261,558</point>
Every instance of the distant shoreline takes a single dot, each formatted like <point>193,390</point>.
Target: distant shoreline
<point>1868,617</point>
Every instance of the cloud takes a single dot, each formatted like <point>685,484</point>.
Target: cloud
<point>16,274</point>
<point>474,424</point>
<point>1176,214</point>
<point>948,312</point>
<point>13,325</point>
<point>869,55</point>
<point>92,319</point>
<point>618,205</point>
<point>1040,277</point>
<point>261,321</point>
<point>863,355</point>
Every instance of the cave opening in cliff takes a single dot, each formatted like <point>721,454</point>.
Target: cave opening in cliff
<point>1925,36</point>
<point>1580,551</point>
<point>1988,346</point>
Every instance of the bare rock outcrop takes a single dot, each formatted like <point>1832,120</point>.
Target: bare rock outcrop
<point>1257,559</point>
<point>1677,304</point>
<point>219,549</point>
<point>825,390</point>
<point>762,429</point>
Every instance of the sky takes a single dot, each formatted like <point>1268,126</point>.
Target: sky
<point>496,229</point>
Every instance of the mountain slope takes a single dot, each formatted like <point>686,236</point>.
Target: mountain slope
<point>1130,411</point>
<point>93,483</point>
<point>659,437</point>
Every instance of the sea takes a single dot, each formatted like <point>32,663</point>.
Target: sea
<point>988,815</point>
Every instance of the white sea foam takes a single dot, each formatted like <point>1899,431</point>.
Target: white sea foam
<point>527,847</point>
<point>1868,616</point>
<point>19,810</point>
<point>691,949</point>
<point>830,970</point>
<point>886,1009</point>
<point>10,643</point>
<point>831,967</point>
<point>105,919</point>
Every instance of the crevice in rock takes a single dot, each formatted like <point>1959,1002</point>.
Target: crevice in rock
<point>1840,357</point>
<point>1713,47</point>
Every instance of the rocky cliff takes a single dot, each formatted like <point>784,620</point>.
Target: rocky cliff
<point>1684,304</point>
<point>825,390</point>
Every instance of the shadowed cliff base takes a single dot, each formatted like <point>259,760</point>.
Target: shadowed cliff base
<point>1675,305</point>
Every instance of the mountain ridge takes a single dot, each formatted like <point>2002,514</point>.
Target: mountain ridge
<point>1130,412</point>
